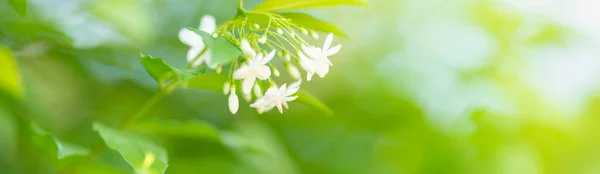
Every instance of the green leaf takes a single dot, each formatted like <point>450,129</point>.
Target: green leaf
<point>157,68</point>
<point>222,51</point>
<point>65,149</point>
<point>309,22</point>
<point>20,6</point>
<point>213,82</point>
<point>277,5</point>
<point>134,150</point>
<point>10,79</point>
<point>188,73</point>
<point>189,129</point>
<point>306,98</point>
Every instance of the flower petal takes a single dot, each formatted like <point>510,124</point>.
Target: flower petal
<point>249,53</point>
<point>190,38</point>
<point>280,108</point>
<point>290,98</point>
<point>263,72</point>
<point>282,89</point>
<point>192,53</point>
<point>241,72</point>
<point>247,84</point>
<point>306,63</point>
<point>268,57</point>
<point>328,42</point>
<point>309,76</point>
<point>322,70</point>
<point>208,24</point>
<point>311,52</point>
<point>333,50</point>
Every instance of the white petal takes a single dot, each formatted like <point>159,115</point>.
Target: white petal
<point>272,91</point>
<point>268,57</point>
<point>285,104</point>
<point>327,61</point>
<point>208,24</point>
<point>294,72</point>
<point>248,97</point>
<point>241,72</point>
<point>279,108</point>
<point>233,103</point>
<point>311,52</point>
<point>309,76</point>
<point>323,70</point>
<point>328,41</point>
<point>247,84</point>
<point>259,103</point>
<point>192,54</point>
<point>190,38</point>
<point>263,72</point>
<point>306,63</point>
<point>206,57</point>
<point>290,98</point>
<point>333,50</point>
<point>282,89</point>
<point>247,49</point>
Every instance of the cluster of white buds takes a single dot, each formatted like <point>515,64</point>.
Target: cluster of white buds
<point>279,39</point>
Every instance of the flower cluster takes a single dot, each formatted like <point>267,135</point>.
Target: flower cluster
<point>280,38</point>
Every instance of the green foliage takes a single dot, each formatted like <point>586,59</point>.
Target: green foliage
<point>306,98</point>
<point>222,50</point>
<point>188,129</point>
<point>134,149</point>
<point>209,81</point>
<point>278,5</point>
<point>9,74</point>
<point>163,72</point>
<point>64,149</point>
<point>20,6</point>
<point>309,22</point>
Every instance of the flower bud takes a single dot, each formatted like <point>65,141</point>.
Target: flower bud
<point>275,71</point>
<point>256,26</point>
<point>314,34</point>
<point>263,39</point>
<point>304,31</point>
<point>234,102</point>
<point>257,91</point>
<point>219,69</point>
<point>287,56</point>
<point>294,72</point>
<point>226,88</point>
<point>248,96</point>
<point>279,31</point>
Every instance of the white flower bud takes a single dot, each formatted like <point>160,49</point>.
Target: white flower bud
<point>275,71</point>
<point>279,31</point>
<point>234,103</point>
<point>279,54</point>
<point>256,26</point>
<point>263,39</point>
<point>219,69</point>
<point>293,34</point>
<point>294,72</point>
<point>215,35</point>
<point>226,88</point>
<point>287,56</point>
<point>247,49</point>
<point>257,90</point>
<point>304,31</point>
<point>314,34</point>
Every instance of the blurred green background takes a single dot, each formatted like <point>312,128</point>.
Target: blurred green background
<point>421,86</point>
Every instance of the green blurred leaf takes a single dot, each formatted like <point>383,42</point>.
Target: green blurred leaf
<point>134,149</point>
<point>209,81</point>
<point>20,6</point>
<point>276,5</point>
<point>64,149</point>
<point>189,129</point>
<point>188,73</point>
<point>157,68</point>
<point>9,73</point>
<point>310,22</point>
<point>67,149</point>
<point>306,98</point>
<point>222,51</point>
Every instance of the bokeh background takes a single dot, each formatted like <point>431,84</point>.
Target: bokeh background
<point>421,86</point>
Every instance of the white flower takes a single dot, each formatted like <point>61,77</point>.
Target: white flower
<point>234,103</point>
<point>194,40</point>
<point>253,69</point>
<point>247,50</point>
<point>316,60</point>
<point>226,88</point>
<point>275,97</point>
